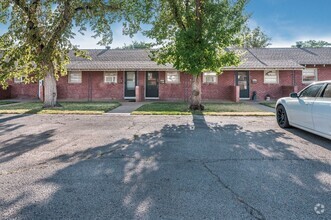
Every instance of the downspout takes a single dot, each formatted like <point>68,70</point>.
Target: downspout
<point>39,90</point>
<point>40,86</point>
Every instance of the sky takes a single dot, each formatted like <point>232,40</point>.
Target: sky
<point>285,21</point>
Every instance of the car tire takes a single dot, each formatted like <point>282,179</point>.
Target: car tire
<point>281,117</point>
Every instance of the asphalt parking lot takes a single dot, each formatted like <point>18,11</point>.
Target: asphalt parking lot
<point>169,167</point>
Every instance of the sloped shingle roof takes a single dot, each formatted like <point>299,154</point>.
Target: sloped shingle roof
<point>254,58</point>
<point>107,59</point>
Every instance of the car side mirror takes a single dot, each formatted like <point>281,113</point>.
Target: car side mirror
<point>294,95</point>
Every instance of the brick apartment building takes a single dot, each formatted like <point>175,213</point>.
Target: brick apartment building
<point>130,74</point>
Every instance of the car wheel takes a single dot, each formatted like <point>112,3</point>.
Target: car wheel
<point>281,116</point>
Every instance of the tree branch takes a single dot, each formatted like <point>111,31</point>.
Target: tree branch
<point>198,19</point>
<point>177,15</point>
<point>65,19</point>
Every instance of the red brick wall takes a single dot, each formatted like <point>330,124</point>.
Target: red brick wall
<point>323,73</point>
<point>286,78</point>
<point>23,91</point>
<point>5,93</point>
<point>263,89</point>
<point>141,78</point>
<point>287,90</point>
<point>99,89</point>
<point>179,91</point>
<point>223,90</point>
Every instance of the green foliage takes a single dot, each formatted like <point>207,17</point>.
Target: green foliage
<point>255,38</point>
<point>311,43</point>
<point>39,35</point>
<point>136,45</point>
<point>194,35</point>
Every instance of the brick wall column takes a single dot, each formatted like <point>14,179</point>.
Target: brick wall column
<point>235,93</point>
<point>139,93</point>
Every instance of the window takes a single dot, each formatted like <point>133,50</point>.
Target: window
<point>271,76</point>
<point>210,77</point>
<point>75,77</point>
<point>309,75</point>
<point>19,79</point>
<point>311,91</point>
<point>172,77</point>
<point>110,77</point>
<point>327,91</point>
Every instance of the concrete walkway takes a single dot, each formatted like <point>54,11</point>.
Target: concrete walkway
<point>126,108</point>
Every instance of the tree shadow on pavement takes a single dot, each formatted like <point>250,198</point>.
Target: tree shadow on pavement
<point>6,127</point>
<point>199,170</point>
<point>14,147</point>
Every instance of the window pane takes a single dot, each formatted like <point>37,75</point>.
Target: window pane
<point>271,76</point>
<point>18,80</point>
<point>327,91</point>
<point>210,77</point>
<point>110,77</point>
<point>131,80</point>
<point>309,75</point>
<point>172,77</point>
<point>311,91</point>
<point>75,77</point>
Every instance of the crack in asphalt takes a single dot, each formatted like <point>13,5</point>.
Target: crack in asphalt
<point>250,209</point>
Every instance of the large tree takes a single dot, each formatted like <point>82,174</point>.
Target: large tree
<point>38,39</point>
<point>311,43</point>
<point>193,35</point>
<point>255,38</point>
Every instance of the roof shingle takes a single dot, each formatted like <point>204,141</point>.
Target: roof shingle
<point>253,58</point>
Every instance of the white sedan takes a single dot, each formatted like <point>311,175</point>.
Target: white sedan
<point>310,109</point>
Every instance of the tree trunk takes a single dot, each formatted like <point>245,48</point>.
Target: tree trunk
<point>50,90</point>
<point>196,94</point>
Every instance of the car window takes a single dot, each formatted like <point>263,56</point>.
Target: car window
<point>327,91</point>
<point>311,91</point>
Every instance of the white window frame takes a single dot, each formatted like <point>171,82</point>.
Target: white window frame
<point>271,71</point>
<point>110,77</point>
<point>315,73</point>
<point>75,72</point>
<point>19,79</point>
<point>206,75</point>
<point>175,75</point>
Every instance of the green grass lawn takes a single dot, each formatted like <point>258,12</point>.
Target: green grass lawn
<point>94,108</point>
<point>269,104</point>
<point>6,102</point>
<point>181,108</point>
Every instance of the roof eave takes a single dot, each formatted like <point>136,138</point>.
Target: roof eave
<point>263,68</point>
<point>121,69</point>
